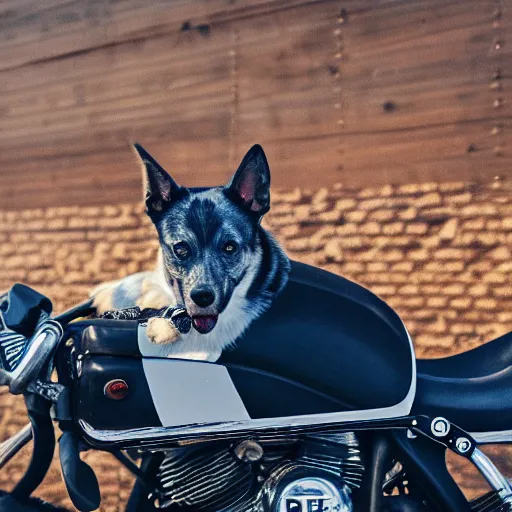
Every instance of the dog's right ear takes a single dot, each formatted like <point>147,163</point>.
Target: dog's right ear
<point>250,185</point>
<point>159,188</point>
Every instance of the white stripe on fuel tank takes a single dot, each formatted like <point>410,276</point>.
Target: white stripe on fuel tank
<point>191,392</point>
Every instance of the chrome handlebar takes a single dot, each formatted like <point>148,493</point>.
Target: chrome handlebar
<point>24,359</point>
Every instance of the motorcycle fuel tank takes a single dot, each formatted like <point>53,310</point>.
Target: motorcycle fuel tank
<point>327,351</point>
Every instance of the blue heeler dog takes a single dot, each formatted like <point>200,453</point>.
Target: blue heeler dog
<point>215,258</point>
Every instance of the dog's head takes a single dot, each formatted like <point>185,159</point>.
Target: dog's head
<point>208,236</point>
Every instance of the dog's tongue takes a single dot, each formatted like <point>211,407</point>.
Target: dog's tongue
<point>204,324</point>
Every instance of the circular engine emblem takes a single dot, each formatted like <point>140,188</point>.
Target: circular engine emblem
<point>314,495</point>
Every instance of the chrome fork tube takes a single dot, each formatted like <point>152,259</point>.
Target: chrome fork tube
<point>494,478</point>
<point>10,447</point>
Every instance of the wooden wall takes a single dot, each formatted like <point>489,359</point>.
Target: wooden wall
<point>355,91</point>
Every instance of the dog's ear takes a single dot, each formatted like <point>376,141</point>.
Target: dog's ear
<point>159,188</point>
<point>251,183</point>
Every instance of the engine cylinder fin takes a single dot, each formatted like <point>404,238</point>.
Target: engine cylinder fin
<point>193,477</point>
<point>213,477</point>
<point>490,502</point>
<point>216,463</point>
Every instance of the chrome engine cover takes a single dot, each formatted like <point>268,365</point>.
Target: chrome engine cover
<point>313,494</point>
<point>307,474</point>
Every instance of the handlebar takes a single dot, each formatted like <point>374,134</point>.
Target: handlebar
<point>24,359</point>
<point>28,341</point>
<point>28,336</point>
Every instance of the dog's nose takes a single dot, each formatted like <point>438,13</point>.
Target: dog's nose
<point>203,297</point>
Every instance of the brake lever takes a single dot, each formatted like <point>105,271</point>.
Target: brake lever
<point>80,479</point>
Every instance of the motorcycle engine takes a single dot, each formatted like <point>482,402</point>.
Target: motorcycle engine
<point>310,474</point>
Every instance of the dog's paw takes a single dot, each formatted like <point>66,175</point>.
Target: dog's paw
<point>161,331</point>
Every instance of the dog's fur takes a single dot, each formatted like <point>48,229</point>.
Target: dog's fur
<point>211,243</point>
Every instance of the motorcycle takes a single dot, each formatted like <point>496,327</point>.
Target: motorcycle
<point>320,406</point>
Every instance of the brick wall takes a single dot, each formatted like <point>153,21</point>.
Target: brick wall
<point>440,254</point>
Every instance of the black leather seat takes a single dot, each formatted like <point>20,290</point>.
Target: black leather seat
<point>472,389</point>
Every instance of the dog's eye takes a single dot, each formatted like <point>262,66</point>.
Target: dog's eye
<point>230,247</point>
<point>181,250</point>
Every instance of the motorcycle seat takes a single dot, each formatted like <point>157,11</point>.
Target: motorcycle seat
<point>471,389</point>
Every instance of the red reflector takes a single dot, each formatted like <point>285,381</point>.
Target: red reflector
<point>116,389</point>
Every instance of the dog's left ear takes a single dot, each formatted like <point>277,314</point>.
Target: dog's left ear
<point>159,188</point>
<point>251,183</point>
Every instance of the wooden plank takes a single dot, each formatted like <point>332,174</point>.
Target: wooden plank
<point>430,63</point>
<point>356,160</point>
<point>290,75</point>
<point>171,70</point>
<point>284,87</point>
<point>443,153</point>
<point>109,177</point>
<point>82,126</point>
<point>34,32</point>
<point>438,80</point>
<point>424,78</point>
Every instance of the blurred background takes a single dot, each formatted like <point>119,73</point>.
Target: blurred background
<point>387,125</point>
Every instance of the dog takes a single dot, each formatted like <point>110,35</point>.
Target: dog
<point>214,259</point>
